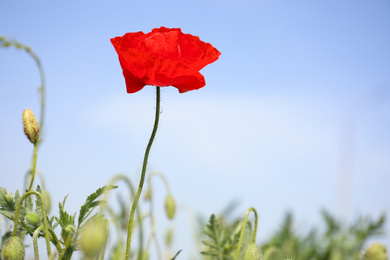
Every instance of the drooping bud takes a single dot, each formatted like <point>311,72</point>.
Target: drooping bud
<point>94,236</point>
<point>252,252</point>
<point>376,251</point>
<point>169,237</point>
<point>148,194</point>
<point>30,125</point>
<point>33,218</point>
<point>170,206</point>
<point>145,255</point>
<point>13,249</point>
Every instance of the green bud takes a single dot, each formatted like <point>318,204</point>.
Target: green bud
<point>169,237</point>
<point>148,194</point>
<point>376,251</point>
<point>93,236</point>
<point>170,206</point>
<point>13,249</point>
<point>252,252</point>
<point>33,218</point>
<point>31,127</point>
<point>145,255</point>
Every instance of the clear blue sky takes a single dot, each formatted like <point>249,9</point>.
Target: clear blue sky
<point>268,128</point>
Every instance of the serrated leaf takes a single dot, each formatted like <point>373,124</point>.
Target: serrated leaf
<point>17,196</point>
<point>90,202</point>
<point>29,203</point>
<point>5,202</point>
<point>7,213</point>
<point>38,203</point>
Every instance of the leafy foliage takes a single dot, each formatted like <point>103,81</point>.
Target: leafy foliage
<point>222,241</point>
<point>336,242</point>
<point>91,203</point>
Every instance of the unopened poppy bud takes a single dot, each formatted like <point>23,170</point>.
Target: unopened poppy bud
<point>252,252</point>
<point>169,237</point>
<point>170,206</point>
<point>93,236</point>
<point>13,249</point>
<point>376,251</point>
<point>148,194</point>
<point>33,218</point>
<point>30,125</point>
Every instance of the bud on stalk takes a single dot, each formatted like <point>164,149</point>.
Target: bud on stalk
<point>13,249</point>
<point>170,206</point>
<point>30,125</point>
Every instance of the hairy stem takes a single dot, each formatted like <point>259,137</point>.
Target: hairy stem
<point>143,173</point>
<point>34,166</point>
<point>16,217</point>
<point>243,230</point>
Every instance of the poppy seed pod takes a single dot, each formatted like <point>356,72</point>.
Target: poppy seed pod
<point>170,206</point>
<point>252,252</point>
<point>13,249</point>
<point>376,251</point>
<point>93,236</point>
<point>30,125</point>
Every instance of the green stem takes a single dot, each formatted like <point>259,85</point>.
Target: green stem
<point>243,230</point>
<point>142,180</point>
<point>116,178</point>
<point>43,213</point>
<point>34,166</point>
<point>35,242</point>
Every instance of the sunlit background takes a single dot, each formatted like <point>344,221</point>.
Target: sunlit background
<point>295,115</point>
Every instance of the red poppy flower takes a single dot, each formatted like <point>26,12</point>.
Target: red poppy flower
<point>163,57</point>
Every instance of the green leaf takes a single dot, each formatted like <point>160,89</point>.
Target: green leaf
<point>90,203</point>
<point>6,200</point>
<point>220,243</point>
<point>7,213</point>
<point>66,221</point>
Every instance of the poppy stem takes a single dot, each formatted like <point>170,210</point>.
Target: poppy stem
<point>143,173</point>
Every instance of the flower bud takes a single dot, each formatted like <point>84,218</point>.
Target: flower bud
<point>13,249</point>
<point>252,252</point>
<point>145,255</point>
<point>170,206</point>
<point>33,218</point>
<point>148,194</point>
<point>93,236</point>
<point>169,237</point>
<point>30,125</point>
<point>376,251</point>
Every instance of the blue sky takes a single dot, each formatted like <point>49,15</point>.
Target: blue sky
<point>268,129</point>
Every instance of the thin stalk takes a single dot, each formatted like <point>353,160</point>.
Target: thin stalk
<point>16,217</point>
<point>34,166</point>
<point>139,217</point>
<point>142,180</point>
<point>35,242</point>
<point>243,230</point>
